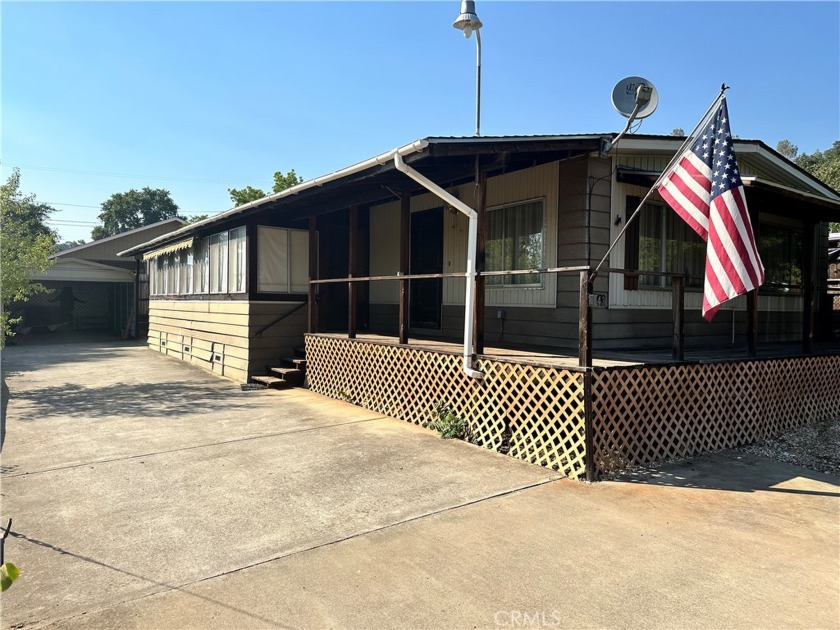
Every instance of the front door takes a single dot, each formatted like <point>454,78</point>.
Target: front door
<point>426,257</point>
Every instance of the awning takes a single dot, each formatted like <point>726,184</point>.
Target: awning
<point>169,249</point>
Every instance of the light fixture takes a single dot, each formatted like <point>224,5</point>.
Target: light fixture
<point>468,22</point>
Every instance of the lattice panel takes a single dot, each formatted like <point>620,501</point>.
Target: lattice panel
<point>533,413</point>
<point>644,414</point>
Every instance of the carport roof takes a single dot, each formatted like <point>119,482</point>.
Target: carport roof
<point>79,270</point>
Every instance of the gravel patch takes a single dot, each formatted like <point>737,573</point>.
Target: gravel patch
<point>815,446</point>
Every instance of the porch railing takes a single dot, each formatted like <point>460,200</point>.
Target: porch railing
<point>585,324</point>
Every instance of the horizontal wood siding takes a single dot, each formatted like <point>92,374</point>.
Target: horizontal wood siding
<point>278,341</point>
<point>523,326</point>
<point>107,250</point>
<point>211,335</point>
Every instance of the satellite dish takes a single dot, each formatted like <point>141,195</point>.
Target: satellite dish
<point>626,96</point>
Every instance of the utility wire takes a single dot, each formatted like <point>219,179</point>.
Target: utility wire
<point>105,174</point>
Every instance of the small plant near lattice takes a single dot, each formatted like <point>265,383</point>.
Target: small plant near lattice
<point>349,397</point>
<point>448,424</point>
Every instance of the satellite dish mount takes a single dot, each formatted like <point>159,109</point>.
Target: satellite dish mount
<point>632,97</point>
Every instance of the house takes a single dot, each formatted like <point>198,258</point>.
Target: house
<point>366,268</point>
<point>92,288</point>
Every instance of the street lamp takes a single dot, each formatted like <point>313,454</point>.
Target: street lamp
<point>468,22</point>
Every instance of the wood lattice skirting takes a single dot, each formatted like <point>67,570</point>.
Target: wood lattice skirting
<point>646,414</point>
<point>531,412</point>
<point>640,414</point>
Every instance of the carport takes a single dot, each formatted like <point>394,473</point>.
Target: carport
<point>83,295</point>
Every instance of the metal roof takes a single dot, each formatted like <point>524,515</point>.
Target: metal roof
<point>439,147</point>
<point>66,252</point>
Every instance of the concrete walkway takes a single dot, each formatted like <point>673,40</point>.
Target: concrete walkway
<point>146,493</point>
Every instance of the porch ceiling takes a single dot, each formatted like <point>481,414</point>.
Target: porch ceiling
<point>445,164</point>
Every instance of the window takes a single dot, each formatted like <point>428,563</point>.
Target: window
<point>283,260</point>
<point>214,264</point>
<point>662,241</point>
<point>236,271</point>
<point>219,262</point>
<point>780,249</point>
<point>515,240</point>
<point>202,265</point>
<point>187,271</point>
<point>175,273</point>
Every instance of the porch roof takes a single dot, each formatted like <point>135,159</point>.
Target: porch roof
<point>445,160</point>
<point>450,161</point>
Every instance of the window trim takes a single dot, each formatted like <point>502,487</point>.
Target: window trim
<point>544,231</point>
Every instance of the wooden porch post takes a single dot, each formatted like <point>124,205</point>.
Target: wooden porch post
<point>808,293</point>
<point>752,323</point>
<point>313,273</point>
<point>480,265</point>
<point>352,267</point>
<point>678,350</point>
<point>405,222</point>
<point>585,360</point>
<point>585,322</point>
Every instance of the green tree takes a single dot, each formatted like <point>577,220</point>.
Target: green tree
<point>134,209</point>
<point>196,218</point>
<point>241,196</point>
<point>787,148</point>
<point>824,165</point>
<point>678,131</point>
<point>26,244</point>
<point>69,244</point>
<point>282,181</point>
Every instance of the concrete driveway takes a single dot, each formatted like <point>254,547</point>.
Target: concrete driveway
<point>146,493</point>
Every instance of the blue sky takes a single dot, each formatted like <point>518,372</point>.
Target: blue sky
<point>198,97</point>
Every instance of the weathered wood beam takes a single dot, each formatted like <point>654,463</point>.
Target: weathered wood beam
<point>352,268</point>
<point>752,323</point>
<point>809,273</point>
<point>585,322</point>
<point>313,274</point>
<point>678,350</point>
<point>405,224</point>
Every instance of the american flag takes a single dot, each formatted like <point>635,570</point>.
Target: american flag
<point>704,187</point>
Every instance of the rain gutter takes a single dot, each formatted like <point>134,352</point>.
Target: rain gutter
<point>472,238</point>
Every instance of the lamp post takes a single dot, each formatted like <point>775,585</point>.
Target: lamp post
<point>468,22</point>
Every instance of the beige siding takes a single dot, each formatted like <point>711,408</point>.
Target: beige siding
<point>222,336</point>
<point>385,252</point>
<point>108,249</point>
<point>268,345</point>
<point>541,182</point>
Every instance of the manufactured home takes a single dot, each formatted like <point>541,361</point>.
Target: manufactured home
<point>370,270</point>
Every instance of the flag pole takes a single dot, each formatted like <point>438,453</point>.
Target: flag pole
<point>676,156</point>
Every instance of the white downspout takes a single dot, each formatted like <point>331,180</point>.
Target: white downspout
<point>469,306</point>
